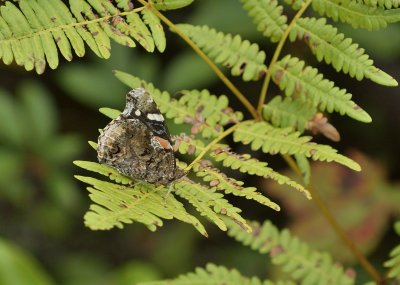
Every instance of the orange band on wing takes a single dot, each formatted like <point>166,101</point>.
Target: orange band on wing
<point>163,142</point>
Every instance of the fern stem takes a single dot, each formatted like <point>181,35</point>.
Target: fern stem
<point>278,50</point>
<point>368,267</point>
<point>210,145</point>
<point>208,61</point>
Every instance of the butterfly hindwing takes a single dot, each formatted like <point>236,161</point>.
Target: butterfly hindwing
<point>138,143</point>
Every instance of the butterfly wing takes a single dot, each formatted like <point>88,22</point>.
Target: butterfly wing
<point>138,144</point>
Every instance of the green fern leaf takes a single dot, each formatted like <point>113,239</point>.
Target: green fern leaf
<point>156,28</point>
<point>219,181</point>
<point>209,203</point>
<point>267,16</point>
<point>286,112</point>
<point>394,262</point>
<point>304,264</point>
<point>187,145</point>
<point>105,170</point>
<point>246,164</point>
<point>171,4</point>
<point>31,33</point>
<point>214,275</point>
<point>262,135</point>
<point>241,56</point>
<point>344,55</point>
<point>293,77</point>
<point>357,14</point>
<point>388,4</point>
<point>116,205</point>
<point>111,113</point>
<point>304,166</point>
<point>205,112</point>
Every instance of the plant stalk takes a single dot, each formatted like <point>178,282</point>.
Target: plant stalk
<point>278,50</point>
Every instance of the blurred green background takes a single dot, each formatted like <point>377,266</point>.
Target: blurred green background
<point>46,120</point>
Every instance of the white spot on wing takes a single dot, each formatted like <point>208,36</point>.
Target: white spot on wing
<point>138,113</point>
<point>155,117</point>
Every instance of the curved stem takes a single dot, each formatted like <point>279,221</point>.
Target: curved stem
<point>369,268</point>
<point>210,145</point>
<point>275,57</point>
<point>208,61</point>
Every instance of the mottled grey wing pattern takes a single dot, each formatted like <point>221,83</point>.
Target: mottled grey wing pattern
<point>138,144</point>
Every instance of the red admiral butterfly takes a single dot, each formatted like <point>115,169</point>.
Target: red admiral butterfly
<point>137,143</point>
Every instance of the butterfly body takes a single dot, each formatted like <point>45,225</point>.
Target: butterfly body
<point>137,143</point>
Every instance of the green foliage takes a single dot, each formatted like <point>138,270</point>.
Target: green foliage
<point>296,79</point>
<point>32,33</point>
<point>294,256</point>
<point>286,112</point>
<point>219,181</point>
<point>394,262</point>
<point>32,154</point>
<point>261,135</point>
<point>19,268</point>
<point>356,13</point>
<point>247,164</point>
<point>241,56</point>
<point>213,274</point>
<point>267,16</point>
<point>334,48</point>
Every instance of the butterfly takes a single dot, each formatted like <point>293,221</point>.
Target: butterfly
<point>138,144</point>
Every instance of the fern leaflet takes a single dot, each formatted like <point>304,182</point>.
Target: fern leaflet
<point>388,4</point>
<point>209,203</point>
<point>267,16</point>
<point>32,33</point>
<point>171,4</point>
<point>219,181</point>
<point>243,57</point>
<point>394,262</point>
<point>262,135</point>
<point>116,205</point>
<point>295,257</point>
<point>246,164</point>
<point>286,112</point>
<point>344,55</point>
<point>293,77</point>
<point>357,14</point>
<point>213,275</point>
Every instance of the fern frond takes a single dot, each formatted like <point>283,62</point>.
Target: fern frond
<point>261,135</point>
<point>388,4</point>
<point>212,275</point>
<point>332,47</point>
<point>267,16</point>
<point>165,5</point>
<point>304,165</point>
<point>356,14</point>
<point>104,170</point>
<point>242,57</point>
<point>394,262</point>
<point>285,112</point>
<point>220,181</point>
<point>187,145</point>
<point>247,164</point>
<point>32,33</point>
<point>304,264</point>
<point>205,112</point>
<point>116,205</point>
<point>294,78</point>
<point>209,203</point>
